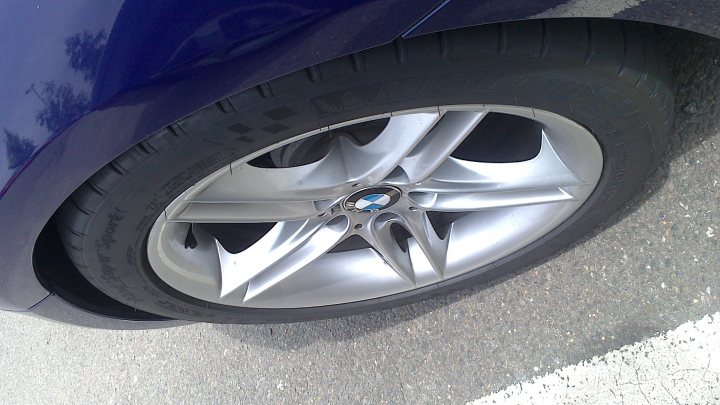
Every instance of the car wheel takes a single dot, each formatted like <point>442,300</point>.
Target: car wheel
<point>380,178</point>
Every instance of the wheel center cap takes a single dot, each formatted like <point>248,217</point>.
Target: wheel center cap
<point>372,199</point>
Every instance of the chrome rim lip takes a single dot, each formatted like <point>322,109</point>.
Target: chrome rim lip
<point>362,275</point>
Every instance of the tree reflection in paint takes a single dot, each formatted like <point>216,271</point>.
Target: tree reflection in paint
<point>18,149</point>
<point>62,104</point>
<point>84,50</point>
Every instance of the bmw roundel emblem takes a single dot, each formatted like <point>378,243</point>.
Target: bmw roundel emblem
<point>372,199</point>
<point>372,202</point>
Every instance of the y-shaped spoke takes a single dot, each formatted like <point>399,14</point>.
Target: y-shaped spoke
<point>287,248</point>
<point>418,224</point>
<point>379,235</point>
<point>373,162</point>
<point>437,146</point>
<point>460,185</point>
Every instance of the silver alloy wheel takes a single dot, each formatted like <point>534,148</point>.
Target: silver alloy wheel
<point>403,174</point>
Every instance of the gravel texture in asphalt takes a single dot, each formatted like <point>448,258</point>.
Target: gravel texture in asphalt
<point>654,267</point>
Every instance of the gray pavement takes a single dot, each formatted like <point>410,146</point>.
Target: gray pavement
<point>655,267</point>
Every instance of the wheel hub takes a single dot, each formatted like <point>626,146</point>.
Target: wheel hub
<point>372,199</point>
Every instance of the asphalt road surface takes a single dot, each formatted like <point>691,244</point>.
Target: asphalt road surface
<point>654,267</point>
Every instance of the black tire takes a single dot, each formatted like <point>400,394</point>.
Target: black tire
<point>608,76</point>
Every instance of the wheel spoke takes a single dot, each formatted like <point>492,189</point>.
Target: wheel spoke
<point>247,212</point>
<point>458,202</point>
<point>321,180</point>
<point>419,226</point>
<point>288,247</point>
<point>437,146</point>
<point>460,185</point>
<point>379,235</point>
<point>373,162</point>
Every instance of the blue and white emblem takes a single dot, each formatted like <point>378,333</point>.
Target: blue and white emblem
<point>372,199</point>
<point>372,202</point>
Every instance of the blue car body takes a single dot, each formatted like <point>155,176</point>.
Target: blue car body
<point>83,80</point>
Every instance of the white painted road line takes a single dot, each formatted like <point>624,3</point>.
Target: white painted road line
<point>678,367</point>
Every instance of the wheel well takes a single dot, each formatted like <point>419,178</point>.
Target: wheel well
<point>58,275</point>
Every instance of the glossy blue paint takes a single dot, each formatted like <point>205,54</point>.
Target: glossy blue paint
<point>81,80</point>
<point>89,79</point>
